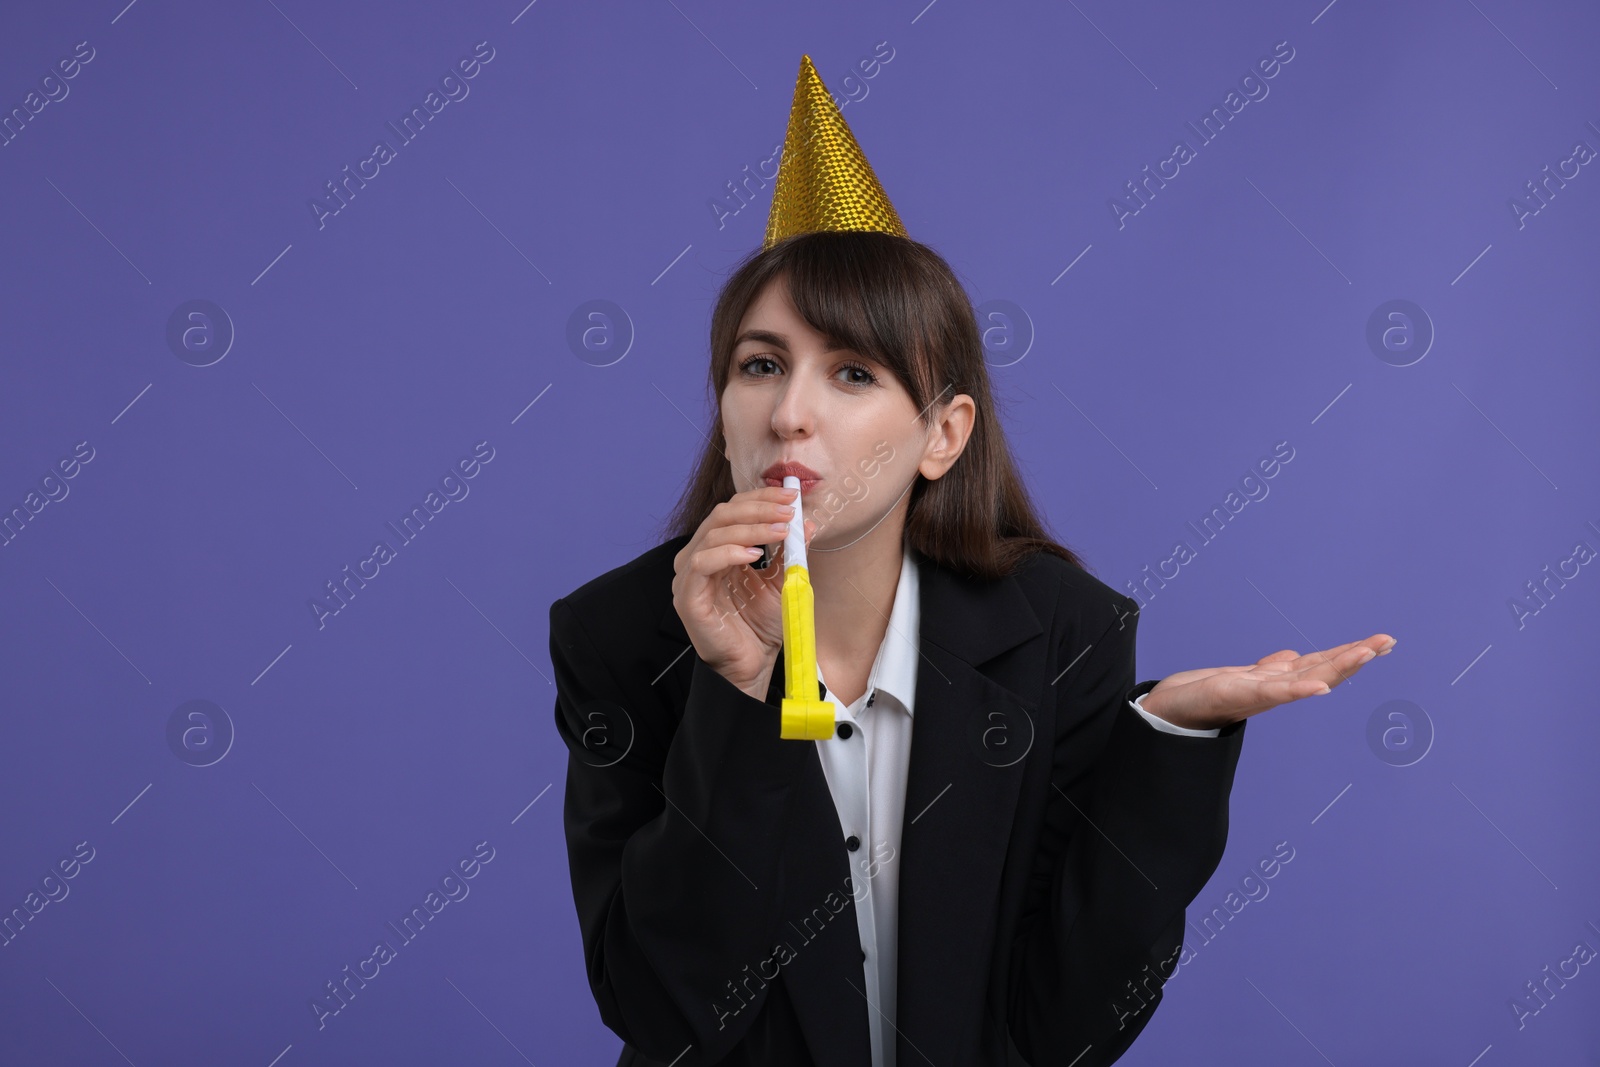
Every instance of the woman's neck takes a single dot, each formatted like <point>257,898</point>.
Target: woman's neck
<point>854,594</point>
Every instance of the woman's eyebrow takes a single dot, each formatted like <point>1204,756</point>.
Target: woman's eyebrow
<point>766,337</point>
<point>778,340</point>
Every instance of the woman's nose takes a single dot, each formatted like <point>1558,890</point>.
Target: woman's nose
<point>795,411</point>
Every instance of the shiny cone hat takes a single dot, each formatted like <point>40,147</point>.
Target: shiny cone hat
<point>824,179</point>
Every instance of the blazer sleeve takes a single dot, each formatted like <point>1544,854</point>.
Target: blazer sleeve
<point>673,850</point>
<point>1124,849</point>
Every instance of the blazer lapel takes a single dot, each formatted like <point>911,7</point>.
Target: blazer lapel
<point>970,733</point>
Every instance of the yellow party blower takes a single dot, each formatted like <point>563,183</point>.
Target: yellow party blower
<point>804,717</point>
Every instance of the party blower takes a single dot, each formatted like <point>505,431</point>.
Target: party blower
<point>804,717</point>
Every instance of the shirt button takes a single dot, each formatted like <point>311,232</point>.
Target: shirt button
<point>852,842</point>
<point>845,730</point>
<point>863,955</point>
<point>873,696</point>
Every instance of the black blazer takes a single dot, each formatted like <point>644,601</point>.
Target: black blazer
<point>1052,841</point>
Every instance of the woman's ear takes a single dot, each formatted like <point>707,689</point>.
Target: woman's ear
<point>948,436</point>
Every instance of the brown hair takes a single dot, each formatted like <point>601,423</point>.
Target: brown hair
<point>895,301</point>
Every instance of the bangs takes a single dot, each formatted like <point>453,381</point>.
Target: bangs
<point>870,292</point>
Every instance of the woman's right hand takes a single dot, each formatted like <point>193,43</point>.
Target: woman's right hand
<point>732,611</point>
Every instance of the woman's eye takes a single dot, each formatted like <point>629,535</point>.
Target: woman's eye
<point>750,367</point>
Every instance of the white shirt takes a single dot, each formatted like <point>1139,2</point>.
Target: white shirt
<point>866,774</point>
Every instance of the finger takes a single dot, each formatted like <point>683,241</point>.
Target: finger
<point>1378,643</point>
<point>1321,656</point>
<point>745,586</point>
<point>708,562</point>
<point>750,533</point>
<point>1272,668</point>
<point>760,505</point>
<point>768,492</point>
<point>775,550</point>
<point>1338,668</point>
<point>764,497</point>
<point>1283,690</point>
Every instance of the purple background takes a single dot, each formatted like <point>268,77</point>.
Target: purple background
<point>1139,388</point>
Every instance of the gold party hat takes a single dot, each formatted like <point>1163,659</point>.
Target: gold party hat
<point>824,180</point>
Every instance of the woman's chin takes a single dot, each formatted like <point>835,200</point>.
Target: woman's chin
<point>833,537</point>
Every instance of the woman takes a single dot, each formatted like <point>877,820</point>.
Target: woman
<point>990,860</point>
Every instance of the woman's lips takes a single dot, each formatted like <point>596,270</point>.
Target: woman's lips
<point>806,484</point>
<point>788,468</point>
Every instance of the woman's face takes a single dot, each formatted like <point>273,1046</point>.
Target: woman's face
<point>843,416</point>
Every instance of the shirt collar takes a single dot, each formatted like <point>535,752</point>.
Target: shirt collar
<point>894,670</point>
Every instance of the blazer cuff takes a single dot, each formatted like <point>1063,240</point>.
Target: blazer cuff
<point>1137,694</point>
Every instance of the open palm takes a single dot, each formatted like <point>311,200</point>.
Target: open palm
<point>1212,697</point>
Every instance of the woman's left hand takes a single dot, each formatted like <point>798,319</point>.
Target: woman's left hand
<point>1213,697</point>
